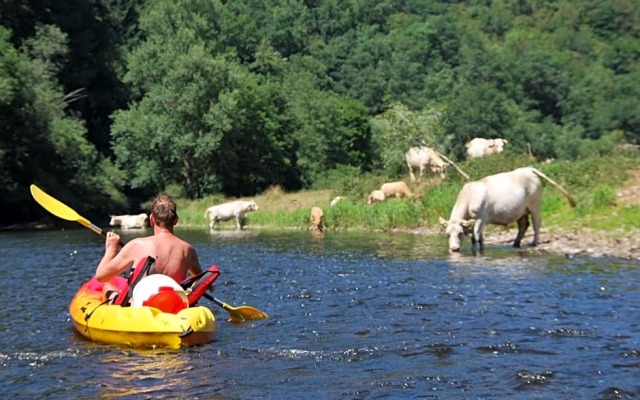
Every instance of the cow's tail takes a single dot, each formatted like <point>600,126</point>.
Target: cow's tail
<point>568,195</point>
<point>206,213</point>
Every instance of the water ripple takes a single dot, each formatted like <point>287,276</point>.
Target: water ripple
<point>352,315</point>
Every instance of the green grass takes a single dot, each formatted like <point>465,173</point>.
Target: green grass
<point>592,182</point>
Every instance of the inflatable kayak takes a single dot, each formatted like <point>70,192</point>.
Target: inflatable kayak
<point>147,311</point>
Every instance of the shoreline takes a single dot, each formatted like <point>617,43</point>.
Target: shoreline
<point>583,242</point>
<point>578,242</point>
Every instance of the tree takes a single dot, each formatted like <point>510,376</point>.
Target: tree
<point>206,122</point>
<point>398,129</point>
<point>41,143</point>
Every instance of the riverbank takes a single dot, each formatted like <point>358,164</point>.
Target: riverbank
<point>578,242</point>
<point>570,243</point>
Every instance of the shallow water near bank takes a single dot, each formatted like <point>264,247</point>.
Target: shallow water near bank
<point>352,315</point>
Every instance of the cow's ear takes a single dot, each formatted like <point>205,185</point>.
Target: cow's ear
<point>443,222</point>
<point>468,223</point>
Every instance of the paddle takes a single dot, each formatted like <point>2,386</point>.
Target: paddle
<point>238,314</point>
<point>61,210</point>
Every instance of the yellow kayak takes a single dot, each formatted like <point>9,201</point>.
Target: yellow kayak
<point>137,326</point>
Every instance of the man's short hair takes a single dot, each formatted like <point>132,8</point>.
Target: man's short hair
<point>164,210</point>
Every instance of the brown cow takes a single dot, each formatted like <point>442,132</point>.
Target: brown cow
<point>396,189</point>
<point>317,219</point>
<point>377,196</point>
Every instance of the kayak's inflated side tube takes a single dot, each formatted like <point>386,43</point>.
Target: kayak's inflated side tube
<point>141,326</point>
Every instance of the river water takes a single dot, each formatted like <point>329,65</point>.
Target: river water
<point>352,316</point>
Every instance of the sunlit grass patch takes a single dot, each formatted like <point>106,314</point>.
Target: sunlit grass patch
<point>191,213</point>
<point>592,182</point>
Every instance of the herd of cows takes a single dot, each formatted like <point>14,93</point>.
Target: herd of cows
<point>500,199</point>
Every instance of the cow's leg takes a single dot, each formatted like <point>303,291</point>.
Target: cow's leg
<point>523,224</point>
<point>477,239</point>
<point>537,220</point>
<point>413,175</point>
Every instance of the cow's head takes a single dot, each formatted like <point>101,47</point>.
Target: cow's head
<point>143,218</point>
<point>252,206</point>
<point>498,145</point>
<point>115,220</point>
<point>455,231</point>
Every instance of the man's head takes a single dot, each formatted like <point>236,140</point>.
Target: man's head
<point>164,212</point>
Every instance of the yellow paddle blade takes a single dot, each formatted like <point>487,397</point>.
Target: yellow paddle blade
<point>238,314</point>
<point>243,313</point>
<point>58,208</point>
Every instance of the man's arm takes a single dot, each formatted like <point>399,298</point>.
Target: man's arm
<point>113,262</point>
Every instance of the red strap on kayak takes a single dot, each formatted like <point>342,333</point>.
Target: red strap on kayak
<point>140,271</point>
<point>197,285</point>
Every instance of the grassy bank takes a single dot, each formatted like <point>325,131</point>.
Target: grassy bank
<point>594,183</point>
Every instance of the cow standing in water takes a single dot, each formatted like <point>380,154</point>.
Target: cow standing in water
<point>316,217</point>
<point>234,209</point>
<point>138,221</point>
<point>498,199</point>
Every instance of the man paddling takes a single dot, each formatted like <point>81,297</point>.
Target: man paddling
<point>173,256</point>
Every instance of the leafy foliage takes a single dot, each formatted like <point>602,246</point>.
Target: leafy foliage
<point>42,144</point>
<point>230,98</point>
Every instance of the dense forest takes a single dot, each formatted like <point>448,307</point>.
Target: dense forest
<point>104,103</point>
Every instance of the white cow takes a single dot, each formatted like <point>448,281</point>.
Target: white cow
<point>479,147</point>
<point>226,211</point>
<point>336,200</point>
<point>130,221</point>
<point>419,158</point>
<point>498,199</point>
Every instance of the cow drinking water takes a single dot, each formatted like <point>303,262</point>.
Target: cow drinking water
<point>498,199</point>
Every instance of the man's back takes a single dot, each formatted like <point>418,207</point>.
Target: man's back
<point>173,255</point>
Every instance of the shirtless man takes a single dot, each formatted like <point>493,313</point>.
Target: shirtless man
<point>174,257</point>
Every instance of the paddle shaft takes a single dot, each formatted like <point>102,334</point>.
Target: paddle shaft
<point>218,302</point>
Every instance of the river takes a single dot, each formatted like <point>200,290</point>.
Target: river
<point>352,316</point>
